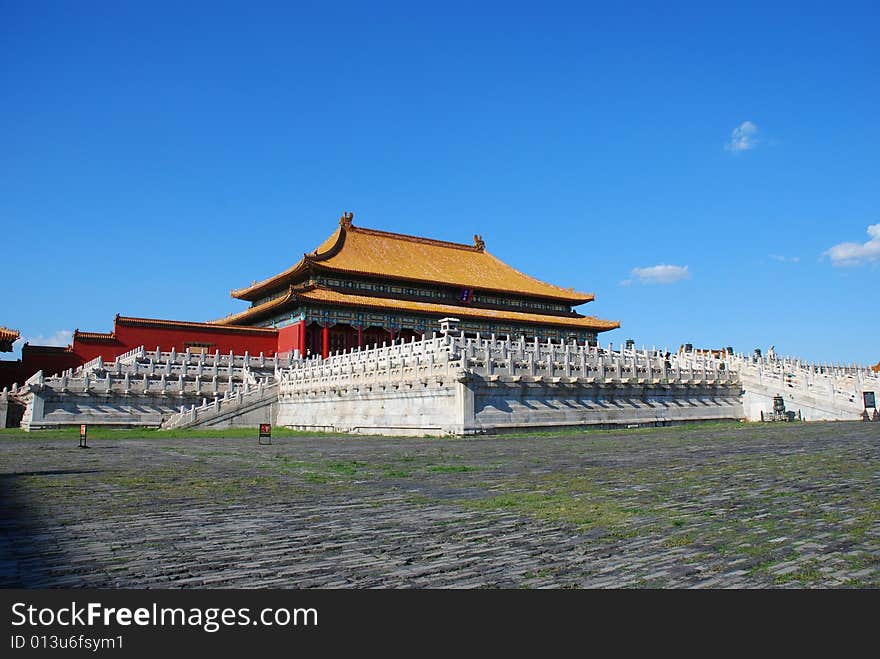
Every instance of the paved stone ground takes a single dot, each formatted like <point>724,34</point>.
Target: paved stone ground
<point>725,506</point>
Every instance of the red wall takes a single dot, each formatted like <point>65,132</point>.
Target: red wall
<point>50,362</point>
<point>167,338</point>
<point>128,337</point>
<point>11,372</point>
<point>88,350</point>
<point>36,358</point>
<point>291,337</point>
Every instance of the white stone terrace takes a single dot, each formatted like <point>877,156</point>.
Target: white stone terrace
<point>450,355</point>
<point>143,372</point>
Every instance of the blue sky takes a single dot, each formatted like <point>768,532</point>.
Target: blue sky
<point>156,155</point>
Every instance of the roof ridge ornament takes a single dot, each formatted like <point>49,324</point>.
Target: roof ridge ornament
<point>479,243</point>
<point>345,220</point>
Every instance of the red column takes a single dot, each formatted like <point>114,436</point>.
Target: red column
<point>360,336</point>
<point>391,335</point>
<point>302,338</point>
<point>325,342</point>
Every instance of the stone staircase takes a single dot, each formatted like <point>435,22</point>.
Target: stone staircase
<point>248,406</point>
<point>139,388</point>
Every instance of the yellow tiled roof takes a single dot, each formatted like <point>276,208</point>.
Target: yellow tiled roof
<point>329,296</point>
<point>256,310</point>
<point>7,338</point>
<point>177,324</point>
<point>358,251</point>
<point>876,368</point>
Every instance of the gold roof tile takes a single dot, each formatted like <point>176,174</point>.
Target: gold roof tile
<point>231,319</point>
<point>359,251</point>
<point>93,336</point>
<point>7,338</point>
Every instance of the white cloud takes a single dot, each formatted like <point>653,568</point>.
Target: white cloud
<point>60,338</point>
<point>785,259</point>
<point>743,137</point>
<point>848,254</point>
<point>660,274</point>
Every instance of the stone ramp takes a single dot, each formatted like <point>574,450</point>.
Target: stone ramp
<point>817,393</point>
<point>249,406</point>
<point>810,403</point>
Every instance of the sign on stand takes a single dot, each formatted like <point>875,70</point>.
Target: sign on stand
<point>83,431</point>
<point>265,434</point>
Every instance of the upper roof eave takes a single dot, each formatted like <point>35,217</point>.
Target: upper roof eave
<point>335,242</point>
<point>256,310</point>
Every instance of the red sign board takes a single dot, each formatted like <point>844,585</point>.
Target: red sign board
<point>265,430</point>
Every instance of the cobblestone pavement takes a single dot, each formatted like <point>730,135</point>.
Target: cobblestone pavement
<point>724,506</point>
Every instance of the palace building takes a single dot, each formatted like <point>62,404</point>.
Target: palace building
<point>362,287</point>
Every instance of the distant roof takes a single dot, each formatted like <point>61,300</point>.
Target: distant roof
<point>7,338</point>
<point>358,251</point>
<point>27,348</point>
<point>324,295</point>
<point>93,337</point>
<point>185,324</point>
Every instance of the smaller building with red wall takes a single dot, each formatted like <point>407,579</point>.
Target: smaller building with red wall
<point>130,333</point>
<point>49,359</point>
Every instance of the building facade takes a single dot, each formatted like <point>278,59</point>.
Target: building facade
<point>362,287</point>
<point>131,332</point>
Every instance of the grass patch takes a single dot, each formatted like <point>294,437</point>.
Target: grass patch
<point>346,468</point>
<point>805,575</point>
<point>451,469</point>
<point>583,512</point>
<point>103,432</point>
<point>685,427</point>
<point>110,433</point>
<point>679,540</point>
<point>318,479</point>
